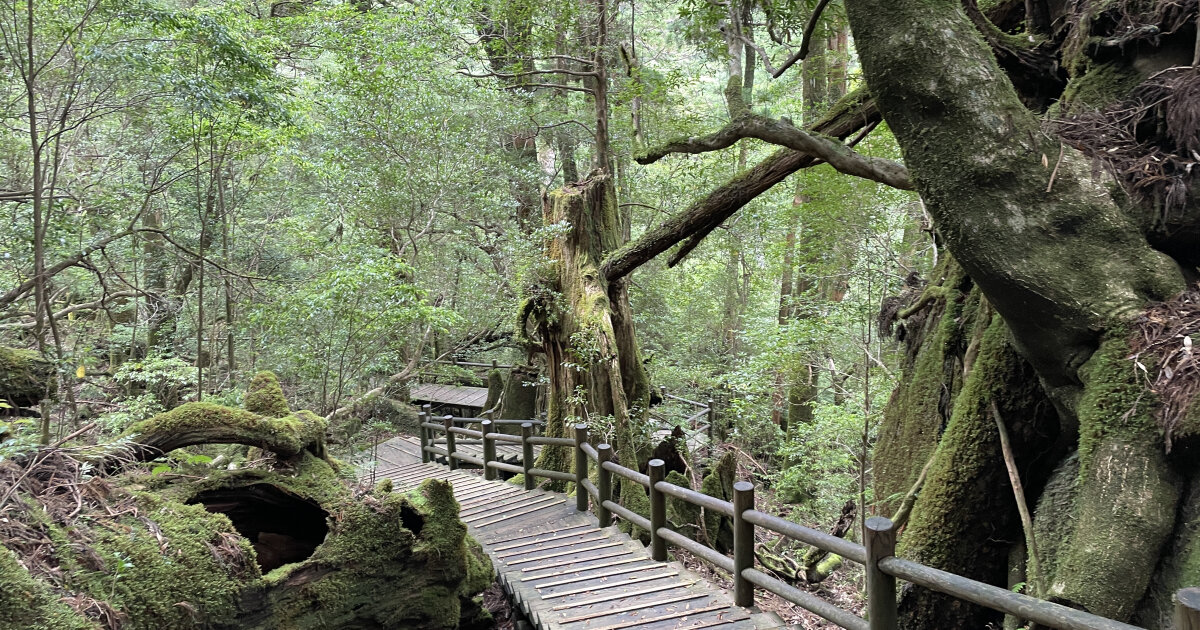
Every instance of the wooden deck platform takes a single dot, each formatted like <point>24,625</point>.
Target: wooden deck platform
<point>562,569</point>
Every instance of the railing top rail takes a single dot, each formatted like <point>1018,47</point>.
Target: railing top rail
<point>688,401</point>
<point>996,598</point>
<point>474,420</point>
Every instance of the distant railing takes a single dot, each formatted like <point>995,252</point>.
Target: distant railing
<point>691,425</point>
<point>877,556</point>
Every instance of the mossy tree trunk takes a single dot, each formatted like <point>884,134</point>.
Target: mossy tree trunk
<point>586,328</point>
<point>1034,225</point>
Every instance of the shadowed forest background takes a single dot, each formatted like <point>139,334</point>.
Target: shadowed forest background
<point>882,237</point>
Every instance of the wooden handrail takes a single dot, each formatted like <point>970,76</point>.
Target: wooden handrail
<point>883,567</point>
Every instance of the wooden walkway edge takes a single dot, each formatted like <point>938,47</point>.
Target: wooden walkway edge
<point>562,569</point>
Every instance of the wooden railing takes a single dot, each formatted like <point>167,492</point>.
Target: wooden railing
<point>692,424</point>
<point>877,556</point>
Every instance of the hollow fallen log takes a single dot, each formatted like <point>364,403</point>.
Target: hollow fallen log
<point>287,546</point>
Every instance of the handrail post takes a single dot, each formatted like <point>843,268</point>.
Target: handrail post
<point>527,453</point>
<point>423,433</point>
<point>448,421</point>
<point>658,510</point>
<point>712,420</point>
<point>1187,609</point>
<point>880,539</point>
<point>603,484</point>
<point>743,543</point>
<point>581,467</point>
<point>489,450</point>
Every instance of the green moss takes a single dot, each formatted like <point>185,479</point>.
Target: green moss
<point>1127,491</point>
<point>967,460</point>
<point>28,604</point>
<point>921,404</point>
<point>172,577</point>
<point>683,516</point>
<point>265,396</point>
<point>1100,86</point>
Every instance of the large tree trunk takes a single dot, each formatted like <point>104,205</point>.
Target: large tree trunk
<point>1034,227</point>
<point>586,327</point>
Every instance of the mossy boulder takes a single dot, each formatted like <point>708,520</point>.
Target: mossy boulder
<point>25,377</point>
<point>265,396</point>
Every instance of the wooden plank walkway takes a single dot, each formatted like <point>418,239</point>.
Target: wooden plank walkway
<point>505,451</point>
<point>562,569</point>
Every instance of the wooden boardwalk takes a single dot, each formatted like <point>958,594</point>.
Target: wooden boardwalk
<point>561,568</point>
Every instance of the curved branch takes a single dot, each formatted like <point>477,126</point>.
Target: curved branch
<point>838,155</point>
<point>854,112</point>
<point>206,423</point>
<point>69,261</point>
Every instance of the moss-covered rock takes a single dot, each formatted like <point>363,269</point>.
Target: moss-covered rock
<point>265,396</point>
<point>718,528</point>
<point>683,515</point>
<point>25,377</point>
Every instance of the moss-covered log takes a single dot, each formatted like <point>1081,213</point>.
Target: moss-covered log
<point>292,546</point>
<point>25,378</point>
<point>207,423</point>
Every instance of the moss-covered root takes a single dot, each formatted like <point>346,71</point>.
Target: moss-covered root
<point>265,397</point>
<point>28,604</point>
<point>206,423</point>
<point>1127,492</point>
<point>966,513</point>
<point>1180,566</point>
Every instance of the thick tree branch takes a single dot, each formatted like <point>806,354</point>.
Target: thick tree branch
<point>838,155</point>
<point>853,113</point>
